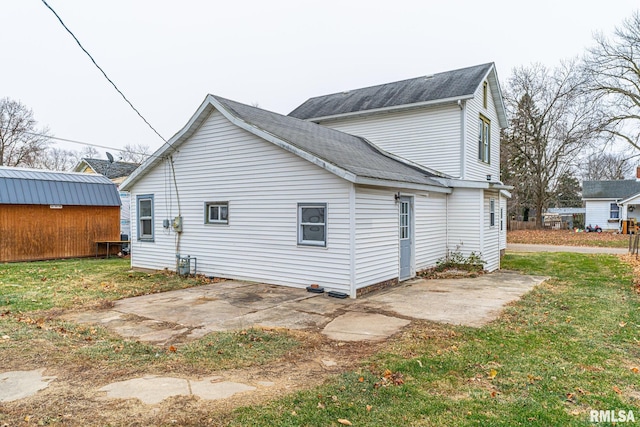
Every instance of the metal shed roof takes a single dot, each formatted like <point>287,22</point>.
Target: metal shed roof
<point>20,186</point>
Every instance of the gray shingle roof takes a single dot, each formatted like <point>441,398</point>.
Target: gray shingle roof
<point>111,170</point>
<point>620,189</point>
<point>348,152</point>
<point>450,84</point>
<point>31,187</point>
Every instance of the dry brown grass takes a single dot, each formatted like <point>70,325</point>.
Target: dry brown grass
<point>568,238</point>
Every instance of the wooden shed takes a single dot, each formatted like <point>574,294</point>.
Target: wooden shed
<point>48,215</point>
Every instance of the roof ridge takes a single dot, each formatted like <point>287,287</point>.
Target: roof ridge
<point>399,81</point>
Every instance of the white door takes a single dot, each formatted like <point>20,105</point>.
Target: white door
<point>406,238</point>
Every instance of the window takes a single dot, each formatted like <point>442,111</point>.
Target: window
<point>492,212</point>
<point>501,219</point>
<point>614,211</point>
<point>484,139</point>
<point>145,217</point>
<point>484,94</point>
<point>216,213</point>
<point>312,224</point>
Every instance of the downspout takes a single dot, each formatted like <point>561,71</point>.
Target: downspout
<point>446,218</point>
<point>463,154</point>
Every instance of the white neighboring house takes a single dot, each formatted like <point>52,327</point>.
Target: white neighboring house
<point>281,200</point>
<point>607,203</point>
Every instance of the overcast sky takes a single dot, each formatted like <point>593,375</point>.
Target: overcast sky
<point>167,55</point>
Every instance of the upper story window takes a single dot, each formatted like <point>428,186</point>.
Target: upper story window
<point>484,139</point>
<point>145,217</point>
<point>614,211</point>
<point>312,224</point>
<point>485,88</point>
<point>216,213</point>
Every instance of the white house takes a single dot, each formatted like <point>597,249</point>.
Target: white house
<point>259,196</point>
<point>607,203</point>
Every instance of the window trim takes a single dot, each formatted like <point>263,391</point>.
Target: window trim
<point>484,139</point>
<point>207,213</point>
<point>492,212</point>
<point>139,219</point>
<point>501,218</point>
<point>612,210</point>
<point>316,243</point>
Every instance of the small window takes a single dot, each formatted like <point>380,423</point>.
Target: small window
<point>614,211</point>
<point>216,213</point>
<point>145,217</point>
<point>501,219</point>
<point>492,212</point>
<point>484,94</point>
<point>484,139</point>
<point>312,224</point>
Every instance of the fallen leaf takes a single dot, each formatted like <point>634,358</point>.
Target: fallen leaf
<point>361,379</point>
<point>493,394</point>
<point>617,390</point>
<point>622,324</point>
<point>634,369</point>
<point>321,405</point>
<point>369,407</point>
<point>344,422</point>
<point>493,373</point>
<point>387,373</point>
<point>172,349</point>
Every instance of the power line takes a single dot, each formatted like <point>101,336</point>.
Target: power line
<point>102,71</point>
<point>89,144</point>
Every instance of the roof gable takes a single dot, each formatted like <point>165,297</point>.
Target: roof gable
<point>20,186</point>
<point>615,190</point>
<point>437,88</point>
<point>350,157</point>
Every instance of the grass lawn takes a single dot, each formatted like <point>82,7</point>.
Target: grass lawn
<point>569,346</point>
<point>568,237</point>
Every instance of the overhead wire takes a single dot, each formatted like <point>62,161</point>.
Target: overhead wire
<point>102,71</point>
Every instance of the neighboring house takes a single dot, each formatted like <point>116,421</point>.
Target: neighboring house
<point>47,215</point>
<point>117,172</point>
<point>282,200</point>
<point>609,202</point>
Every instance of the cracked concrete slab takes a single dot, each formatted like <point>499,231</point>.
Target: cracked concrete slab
<point>152,389</point>
<point>358,326</point>
<point>16,385</point>
<point>470,302</point>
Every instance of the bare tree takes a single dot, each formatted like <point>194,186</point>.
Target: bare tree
<point>550,122</point>
<point>613,69</point>
<point>607,166</point>
<point>135,153</point>
<point>58,159</point>
<point>21,143</point>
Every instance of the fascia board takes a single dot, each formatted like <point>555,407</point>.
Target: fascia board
<point>401,185</point>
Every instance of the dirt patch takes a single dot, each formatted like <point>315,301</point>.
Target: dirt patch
<point>73,400</point>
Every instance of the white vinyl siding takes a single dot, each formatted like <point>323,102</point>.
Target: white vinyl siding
<point>598,213</point>
<point>429,136</point>
<point>264,185</point>
<point>491,234</point>
<point>478,168</point>
<point>503,223</point>
<point>430,229</point>
<point>464,219</point>
<point>377,239</point>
